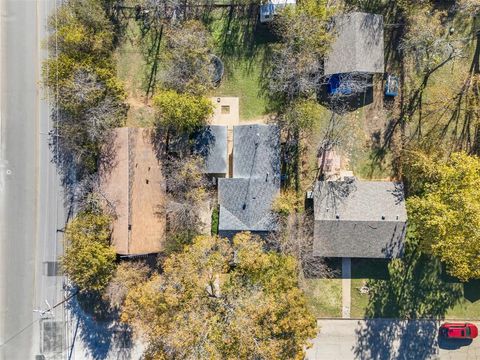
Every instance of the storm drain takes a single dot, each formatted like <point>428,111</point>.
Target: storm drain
<point>53,337</point>
<point>52,268</point>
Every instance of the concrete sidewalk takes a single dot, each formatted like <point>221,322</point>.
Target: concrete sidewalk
<point>385,339</point>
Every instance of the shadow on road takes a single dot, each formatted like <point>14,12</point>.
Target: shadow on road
<point>452,344</point>
<point>413,290</point>
<point>98,328</point>
<point>379,339</point>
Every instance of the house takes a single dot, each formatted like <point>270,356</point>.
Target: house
<point>245,199</point>
<point>357,46</point>
<point>134,187</point>
<point>359,219</point>
<point>269,9</point>
<point>211,144</point>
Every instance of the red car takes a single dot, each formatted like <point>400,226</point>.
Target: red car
<point>459,331</point>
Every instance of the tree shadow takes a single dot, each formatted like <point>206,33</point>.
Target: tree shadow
<point>379,339</point>
<point>98,327</point>
<point>414,291</point>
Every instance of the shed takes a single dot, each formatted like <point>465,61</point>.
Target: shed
<point>357,45</point>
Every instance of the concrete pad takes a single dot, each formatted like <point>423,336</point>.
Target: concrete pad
<point>226,111</point>
<point>346,287</point>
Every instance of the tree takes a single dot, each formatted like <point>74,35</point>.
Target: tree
<point>89,108</point>
<point>296,65</point>
<point>182,113</point>
<point>81,30</point>
<point>223,300</point>
<point>81,77</point>
<point>446,217</point>
<point>127,275</point>
<point>89,261</point>
<point>188,58</point>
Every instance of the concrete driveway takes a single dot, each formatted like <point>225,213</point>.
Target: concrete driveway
<point>385,339</point>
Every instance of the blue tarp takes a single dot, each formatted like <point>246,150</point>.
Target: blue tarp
<point>337,86</point>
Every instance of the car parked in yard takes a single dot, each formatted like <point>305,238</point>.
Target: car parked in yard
<point>459,331</point>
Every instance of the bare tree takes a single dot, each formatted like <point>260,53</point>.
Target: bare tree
<point>295,237</point>
<point>86,113</point>
<point>188,58</point>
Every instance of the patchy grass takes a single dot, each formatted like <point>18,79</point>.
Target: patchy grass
<point>359,302</point>
<point>324,297</point>
<point>371,164</point>
<point>132,70</point>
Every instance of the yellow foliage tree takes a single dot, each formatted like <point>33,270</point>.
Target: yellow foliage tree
<point>223,300</point>
<point>445,215</point>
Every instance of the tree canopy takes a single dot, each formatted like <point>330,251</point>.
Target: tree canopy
<point>89,260</point>
<point>445,215</point>
<point>188,58</point>
<point>296,63</point>
<point>223,300</point>
<point>182,112</point>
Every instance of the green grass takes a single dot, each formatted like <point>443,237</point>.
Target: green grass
<point>415,286</point>
<point>469,306</point>
<point>324,297</point>
<point>243,48</point>
<point>359,302</point>
<point>243,82</point>
<point>133,72</point>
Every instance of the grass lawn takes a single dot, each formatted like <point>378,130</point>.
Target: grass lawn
<point>413,287</point>
<point>324,297</point>
<point>242,45</point>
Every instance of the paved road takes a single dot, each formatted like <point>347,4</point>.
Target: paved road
<point>31,206</point>
<point>384,339</point>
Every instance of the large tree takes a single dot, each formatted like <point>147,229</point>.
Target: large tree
<point>89,260</point>
<point>445,215</point>
<point>296,65</point>
<point>223,300</point>
<point>188,58</point>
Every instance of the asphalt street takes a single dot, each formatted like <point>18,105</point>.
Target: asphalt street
<point>31,200</point>
<point>387,339</point>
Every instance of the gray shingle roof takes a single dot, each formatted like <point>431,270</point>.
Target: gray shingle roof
<point>246,199</point>
<point>359,219</point>
<point>358,44</point>
<point>256,151</point>
<point>245,204</point>
<point>211,143</point>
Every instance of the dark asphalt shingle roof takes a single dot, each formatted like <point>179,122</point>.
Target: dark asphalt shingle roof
<point>256,151</point>
<point>246,199</point>
<point>211,144</point>
<point>357,44</point>
<point>245,204</point>
<point>359,219</point>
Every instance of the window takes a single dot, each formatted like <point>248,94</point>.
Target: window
<point>225,109</point>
